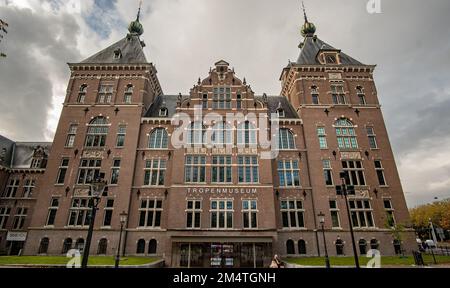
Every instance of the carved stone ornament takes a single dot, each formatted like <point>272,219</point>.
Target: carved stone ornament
<point>351,155</point>
<point>92,154</point>
<point>81,192</point>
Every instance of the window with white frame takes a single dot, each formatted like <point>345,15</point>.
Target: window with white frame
<point>97,132</point>
<point>154,172</point>
<point>361,213</point>
<point>380,173</point>
<point>286,139</point>
<point>248,169</point>
<point>315,95</point>
<point>338,94</point>
<point>334,211</point>
<point>195,169</point>
<point>222,214</point>
<point>150,212</point>
<point>222,134</point>
<point>250,213</point>
<point>247,134</point>
<point>292,213</point>
<point>281,113</point>
<point>108,212</point>
<point>193,214</point>
<point>79,212</point>
<point>28,188</point>
<point>361,95</point>
<point>128,94</point>
<point>163,112</point>
<point>221,169</point>
<point>82,94</point>
<point>19,218</point>
<point>355,171</point>
<point>222,98</point>
<point>158,139</point>
<point>62,170</point>
<point>72,133</point>
<point>36,163</point>
<point>115,171</point>
<point>4,216</point>
<point>52,210</point>
<point>322,138</point>
<point>11,188</point>
<point>327,172</point>
<point>346,136</point>
<point>196,133</point>
<point>89,170</point>
<point>105,94</point>
<point>289,173</point>
<point>390,221</point>
<point>372,138</point>
<point>205,101</point>
<point>121,133</point>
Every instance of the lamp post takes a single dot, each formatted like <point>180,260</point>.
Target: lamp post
<point>345,189</point>
<point>97,187</point>
<point>322,222</point>
<point>123,219</point>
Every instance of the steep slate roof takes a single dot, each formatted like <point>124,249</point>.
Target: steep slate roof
<point>19,154</point>
<point>6,150</point>
<point>275,102</point>
<point>130,47</point>
<point>312,46</point>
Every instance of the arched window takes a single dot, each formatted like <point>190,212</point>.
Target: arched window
<point>128,94</point>
<point>286,139</point>
<point>315,95</point>
<point>43,246</point>
<point>158,139</point>
<point>97,132</point>
<point>152,246</point>
<point>301,247</point>
<point>82,93</point>
<point>361,96</point>
<point>374,244</point>
<point>67,245</point>
<point>345,132</point>
<point>362,247</point>
<point>196,133</point>
<point>222,134</point>
<point>102,246</point>
<point>246,134</point>
<point>140,249</point>
<point>397,247</point>
<point>290,249</point>
<point>339,247</point>
<point>79,245</point>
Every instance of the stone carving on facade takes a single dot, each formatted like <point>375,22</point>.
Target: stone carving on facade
<point>92,154</point>
<point>351,155</point>
<point>81,192</point>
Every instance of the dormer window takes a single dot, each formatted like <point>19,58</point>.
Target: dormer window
<point>163,112</point>
<point>117,54</point>
<point>281,113</point>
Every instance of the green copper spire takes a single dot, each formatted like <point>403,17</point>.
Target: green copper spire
<point>135,26</point>
<point>308,29</point>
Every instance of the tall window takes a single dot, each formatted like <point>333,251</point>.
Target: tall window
<point>246,134</point>
<point>334,211</point>
<point>193,213</point>
<point>355,172</point>
<point>79,212</point>
<point>290,247</point>
<point>315,95</point>
<point>28,188</point>
<point>89,170</point>
<point>4,216</point>
<point>158,139</point>
<point>150,213</point>
<point>109,208</point>
<point>301,247</point>
<point>239,101</point>
<point>52,210</point>
<point>222,134</point>
<point>11,188</point>
<point>390,221</point>
<point>36,163</point>
<point>67,245</point>
<point>221,214</point>
<point>205,101</point>
<point>286,139</point>
<point>361,213</point>
<point>121,133</point>
<point>196,133</point>
<point>105,94</point>
<point>82,94</point>
<point>361,96</point>
<point>221,169</point>
<point>195,169</point>
<point>128,94</point>
<point>372,138</point>
<point>292,214</point>
<point>62,171</point>
<point>346,136</point>
<point>19,218</point>
<point>380,173</point>
<point>102,246</point>
<point>97,132</point>
<point>322,138</point>
<point>250,213</point>
<point>115,171</point>
<point>155,171</point>
<point>289,173</point>
<point>338,94</point>
<point>327,172</point>
<point>71,135</point>
<point>248,169</point>
<point>43,245</point>
<point>222,98</point>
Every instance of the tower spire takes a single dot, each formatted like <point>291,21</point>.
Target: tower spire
<point>304,12</point>
<point>135,27</point>
<point>139,10</point>
<point>308,29</point>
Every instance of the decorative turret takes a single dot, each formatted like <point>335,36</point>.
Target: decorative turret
<point>308,29</point>
<point>135,27</point>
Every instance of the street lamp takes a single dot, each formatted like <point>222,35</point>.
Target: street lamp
<point>345,189</point>
<point>123,220</point>
<point>322,222</point>
<point>97,187</point>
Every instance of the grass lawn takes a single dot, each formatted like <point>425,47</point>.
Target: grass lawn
<point>349,261</point>
<point>61,260</point>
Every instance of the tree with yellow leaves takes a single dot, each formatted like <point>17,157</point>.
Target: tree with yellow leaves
<point>438,212</point>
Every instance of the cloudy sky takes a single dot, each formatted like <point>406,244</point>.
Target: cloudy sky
<point>409,41</point>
